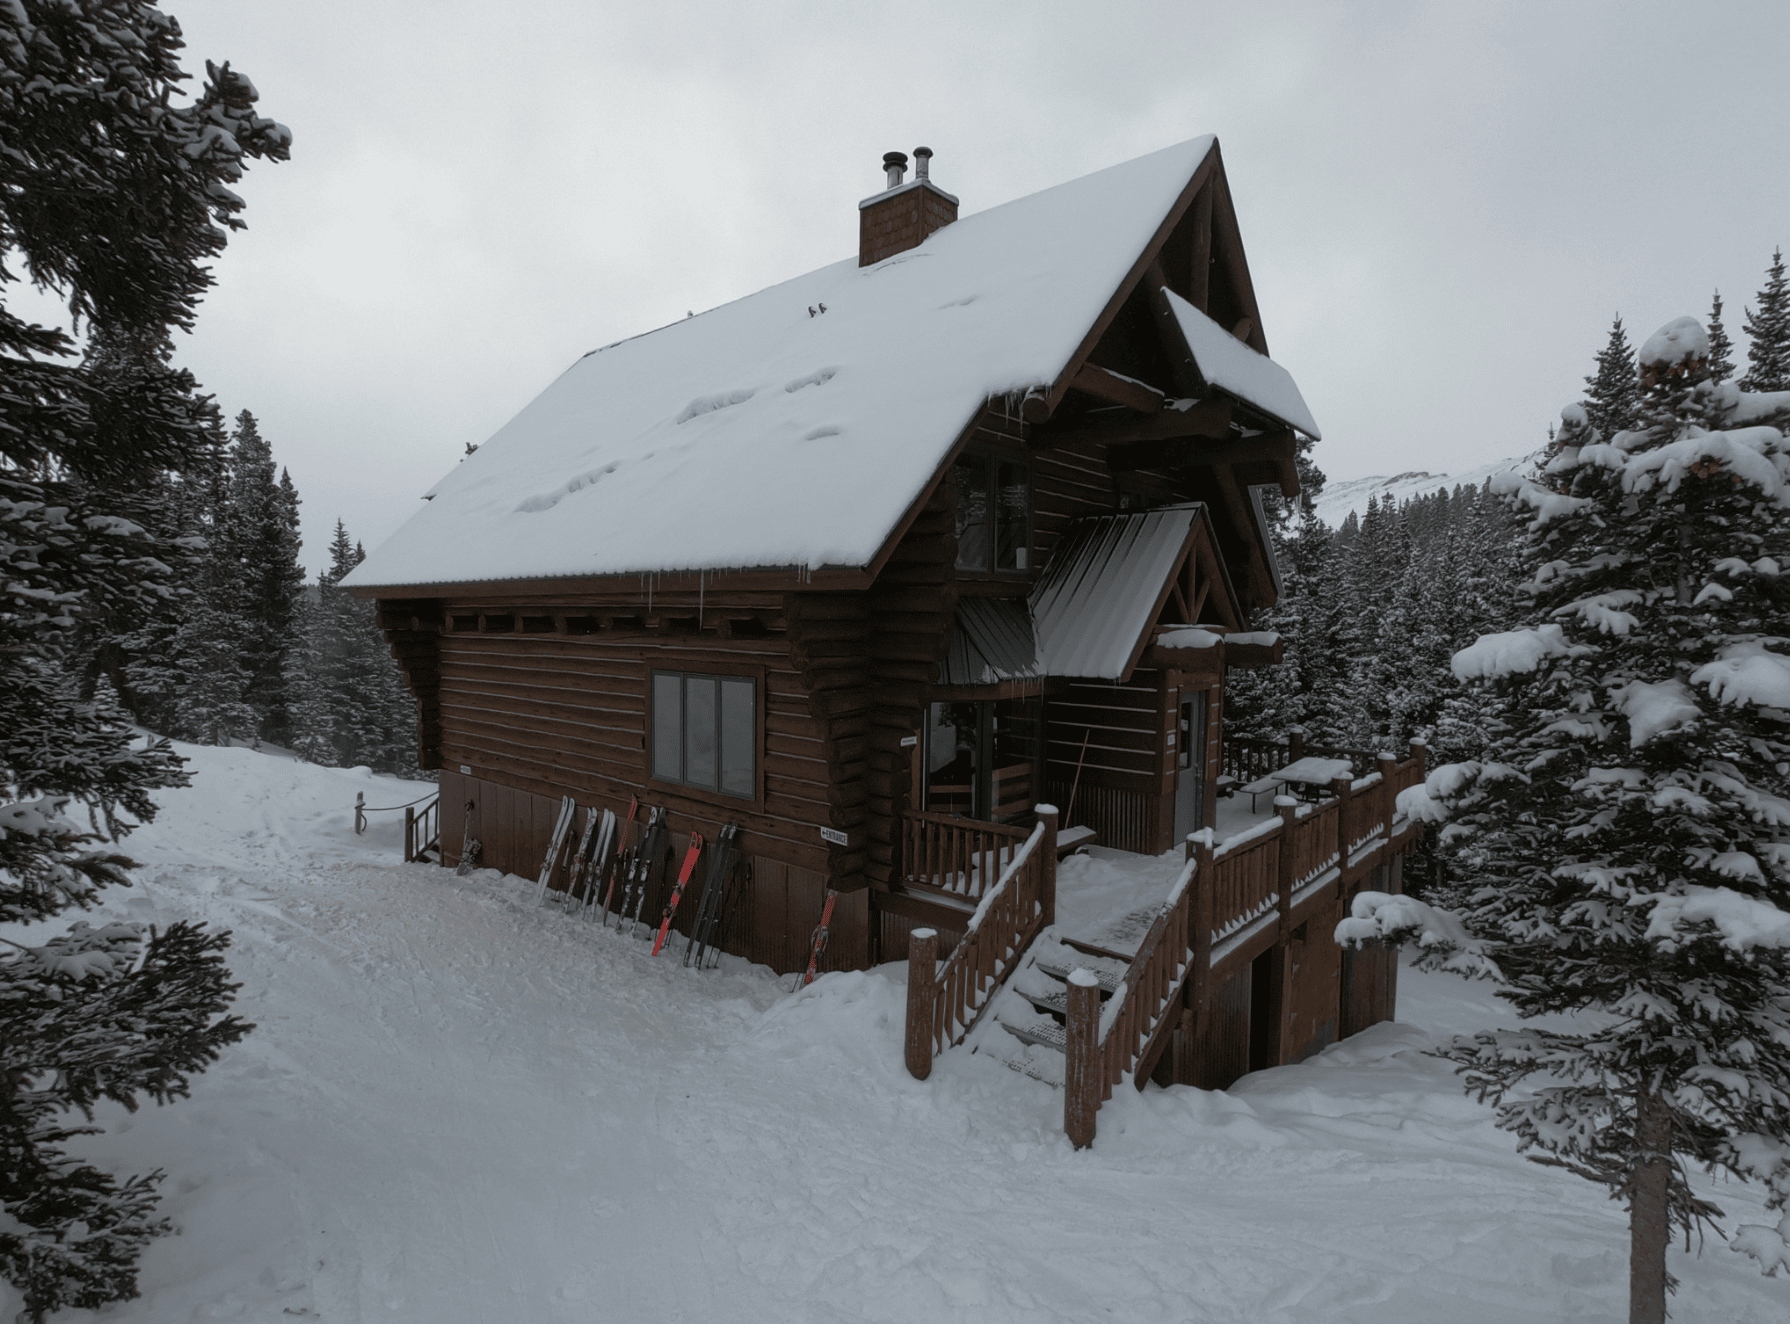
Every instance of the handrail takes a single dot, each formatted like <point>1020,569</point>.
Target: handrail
<point>953,854</point>
<point>944,1001</point>
<point>1243,879</point>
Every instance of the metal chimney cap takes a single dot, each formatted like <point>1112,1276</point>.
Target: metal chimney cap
<point>896,160</point>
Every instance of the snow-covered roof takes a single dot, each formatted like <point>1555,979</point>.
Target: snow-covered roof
<point>1237,370</point>
<point>761,434</point>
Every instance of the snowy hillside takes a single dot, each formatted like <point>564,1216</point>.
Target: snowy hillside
<point>1340,496</point>
<point>460,1107</point>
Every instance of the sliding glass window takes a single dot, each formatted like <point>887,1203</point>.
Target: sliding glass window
<point>705,732</point>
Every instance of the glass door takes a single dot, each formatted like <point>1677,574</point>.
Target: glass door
<point>1190,764</point>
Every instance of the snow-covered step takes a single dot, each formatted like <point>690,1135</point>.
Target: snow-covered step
<point>1060,970</point>
<point>1046,1034</point>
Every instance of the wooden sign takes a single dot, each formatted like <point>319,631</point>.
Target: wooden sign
<point>833,835</point>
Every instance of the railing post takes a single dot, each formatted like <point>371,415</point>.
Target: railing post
<point>1344,790</point>
<point>1420,753</point>
<point>1288,809</point>
<point>409,834</point>
<point>1047,875</point>
<point>1205,875</point>
<point>1295,743</point>
<point>922,989</point>
<point>1081,1053</point>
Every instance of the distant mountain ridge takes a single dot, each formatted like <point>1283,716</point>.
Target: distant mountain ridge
<point>1340,497</point>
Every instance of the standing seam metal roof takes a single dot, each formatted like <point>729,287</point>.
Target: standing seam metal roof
<point>1090,608</point>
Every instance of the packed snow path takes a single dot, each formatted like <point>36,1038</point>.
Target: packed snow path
<point>460,1107</point>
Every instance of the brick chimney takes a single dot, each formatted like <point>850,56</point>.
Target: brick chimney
<point>902,215</point>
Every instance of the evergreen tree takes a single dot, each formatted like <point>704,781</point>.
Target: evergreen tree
<point>1721,349</point>
<point>116,197</point>
<point>1621,842</point>
<point>260,534</point>
<point>1611,392</point>
<point>1768,333</point>
<point>354,706</point>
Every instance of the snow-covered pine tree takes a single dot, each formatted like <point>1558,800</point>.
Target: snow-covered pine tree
<point>1768,333</point>
<point>261,536</point>
<point>1721,349</point>
<point>355,706</point>
<point>1623,840</point>
<point>116,196</point>
<point>1611,393</point>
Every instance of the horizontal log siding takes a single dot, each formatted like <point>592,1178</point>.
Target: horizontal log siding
<point>1122,788</point>
<point>772,907</point>
<point>554,715</point>
<point>1073,480</point>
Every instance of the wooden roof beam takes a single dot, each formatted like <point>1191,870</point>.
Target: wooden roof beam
<point>1205,418</point>
<point>1118,389</point>
<point>1183,452</point>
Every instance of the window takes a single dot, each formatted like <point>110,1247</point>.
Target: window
<point>994,513</point>
<point>705,732</point>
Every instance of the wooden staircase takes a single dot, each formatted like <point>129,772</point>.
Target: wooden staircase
<point>1088,1019</point>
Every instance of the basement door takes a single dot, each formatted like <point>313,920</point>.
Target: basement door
<point>1190,764</point>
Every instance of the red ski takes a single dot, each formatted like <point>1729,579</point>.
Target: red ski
<point>677,893</point>
<point>820,940</point>
<point>617,861</point>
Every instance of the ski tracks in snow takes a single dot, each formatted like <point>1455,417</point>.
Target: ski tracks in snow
<point>459,1107</point>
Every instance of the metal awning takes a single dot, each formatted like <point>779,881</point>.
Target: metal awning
<point>1089,613</point>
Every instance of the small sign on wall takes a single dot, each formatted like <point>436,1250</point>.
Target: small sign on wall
<point>465,771</point>
<point>908,742</point>
<point>834,835</point>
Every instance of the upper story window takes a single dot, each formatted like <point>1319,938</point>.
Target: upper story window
<point>705,732</point>
<point>994,513</point>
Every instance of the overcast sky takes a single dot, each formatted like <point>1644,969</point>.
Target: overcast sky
<point>1443,204</point>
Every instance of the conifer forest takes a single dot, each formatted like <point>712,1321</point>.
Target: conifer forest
<point>1548,713</point>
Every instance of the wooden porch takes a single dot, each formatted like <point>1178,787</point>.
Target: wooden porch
<point>1275,887</point>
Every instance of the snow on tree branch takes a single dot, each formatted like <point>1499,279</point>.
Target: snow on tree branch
<point>1442,941</point>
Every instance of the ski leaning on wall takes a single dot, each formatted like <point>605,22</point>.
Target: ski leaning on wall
<point>596,863</point>
<point>619,862</point>
<point>568,810</point>
<point>691,855</point>
<point>820,940</point>
<point>469,845</point>
<point>704,934</point>
<point>580,855</point>
<point>640,868</point>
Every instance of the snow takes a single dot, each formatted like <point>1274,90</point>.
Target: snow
<point>1255,638</point>
<point>1238,370</point>
<point>1744,922</point>
<point>459,1107</point>
<point>1315,771</point>
<point>1341,497</point>
<point>1191,637</point>
<point>1677,340</point>
<point>757,435</point>
<point>1511,651</point>
<point>1654,708</point>
<point>1747,673</point>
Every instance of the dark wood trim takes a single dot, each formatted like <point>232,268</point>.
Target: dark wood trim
<point>1190,451</point>
<point>1105,384</point>
<point>781,579</point>
<point>1228,243</point>
<point>1207,418</point>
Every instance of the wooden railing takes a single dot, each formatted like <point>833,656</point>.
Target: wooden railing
<point>422,830</point>
<point>1148,997</point>
<point>961,856</point>
<point>1221,891</point>
<point>943,1002</point>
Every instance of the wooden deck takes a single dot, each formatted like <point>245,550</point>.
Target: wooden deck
<point>1282,880</point>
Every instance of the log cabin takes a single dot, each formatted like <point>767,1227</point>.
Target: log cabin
<point>885,562</point>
